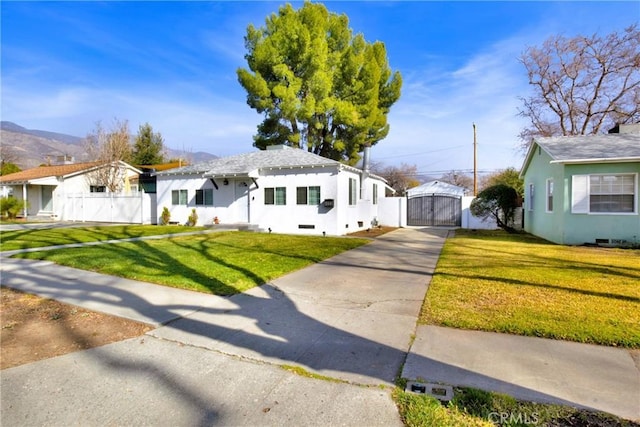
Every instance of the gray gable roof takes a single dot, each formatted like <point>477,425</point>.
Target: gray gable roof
<point>249,163</point>
<point>590,148</point>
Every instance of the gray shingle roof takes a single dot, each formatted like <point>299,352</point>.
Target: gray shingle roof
<point>592,147</point>
<point>244,164</point>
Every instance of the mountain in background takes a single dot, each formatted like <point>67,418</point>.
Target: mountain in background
<point>67,139</point>
<point>29,148</point>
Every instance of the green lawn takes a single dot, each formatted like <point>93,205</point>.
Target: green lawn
<point>472,407</point>
<point>222,263</point>
<point>523,285</point>
<point>38,238</point>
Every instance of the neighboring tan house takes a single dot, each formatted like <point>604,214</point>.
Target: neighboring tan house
<point>47,189</point>
<point>584,189</point>
<point>281,189</point>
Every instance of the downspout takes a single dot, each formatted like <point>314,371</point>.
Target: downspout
<point>365,168</point>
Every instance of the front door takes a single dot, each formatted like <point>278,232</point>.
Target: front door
<point>242,201</point>
<point>46,198</point>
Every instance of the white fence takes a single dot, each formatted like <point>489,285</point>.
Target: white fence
<point>138,208</point>
<point>393,212</point>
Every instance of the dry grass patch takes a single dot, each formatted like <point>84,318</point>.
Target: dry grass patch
<point>520,284</point>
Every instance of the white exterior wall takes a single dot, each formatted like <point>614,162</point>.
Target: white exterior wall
<point>236,203</point>
<point>393,211</point>
<point>288,218</point>
<point>364,214</point>
<point>222,199</point>
<point>72,185</point>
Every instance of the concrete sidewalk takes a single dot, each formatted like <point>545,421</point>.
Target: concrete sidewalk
<point>540,370</point>
<point>217,360</point>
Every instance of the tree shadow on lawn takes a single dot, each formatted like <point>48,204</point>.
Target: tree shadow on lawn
<point>56,236</point>
<point>545,286</point>
<point>265,325</point>
<point>357,343</point>
<point>531,259</point>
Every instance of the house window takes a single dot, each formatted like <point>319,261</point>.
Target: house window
<point>353,188</point>
<point>375,194</point>
<point>97,189</point>
<point>612,193</point>
<point>204,197</point>
<point>549,195</point>
<point>530,200</point>
<point>275,196</point>
<point>308,195</point>
<point>178,197</point>
<point>604,193</point>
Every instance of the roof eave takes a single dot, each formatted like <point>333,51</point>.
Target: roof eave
<point>527,158</point>
<point>598,160</point>
<point>226,175</point>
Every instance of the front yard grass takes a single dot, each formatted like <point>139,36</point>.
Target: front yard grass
<point>476,408</point>
<point>221,263</point>
<point>519,284</point>
<point>38,238</point>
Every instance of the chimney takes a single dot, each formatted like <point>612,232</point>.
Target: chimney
<point>626,128</point>
<point>365,169</point>
<point>366,162</point>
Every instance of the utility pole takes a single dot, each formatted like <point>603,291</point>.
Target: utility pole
<point>475,162</point>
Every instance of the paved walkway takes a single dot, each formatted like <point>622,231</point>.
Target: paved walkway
<point>535,369</point>
<point>217,361</point>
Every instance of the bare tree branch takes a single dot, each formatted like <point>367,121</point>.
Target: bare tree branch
<point>582,85</point>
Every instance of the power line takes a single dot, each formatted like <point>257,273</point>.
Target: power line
<point>424,152</point>
<point>469,171</point>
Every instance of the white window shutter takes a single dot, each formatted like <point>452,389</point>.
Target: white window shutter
<point>580,194</point>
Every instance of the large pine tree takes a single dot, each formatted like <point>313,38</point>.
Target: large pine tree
<point>318,86</point>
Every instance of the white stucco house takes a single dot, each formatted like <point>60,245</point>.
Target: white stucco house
<point>53,191</point>
<point>281,189</point>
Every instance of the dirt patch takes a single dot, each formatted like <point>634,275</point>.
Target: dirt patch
<point>35,328</point>
<point>373,232</point>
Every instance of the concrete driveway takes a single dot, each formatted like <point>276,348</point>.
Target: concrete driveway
<point>218,360</point>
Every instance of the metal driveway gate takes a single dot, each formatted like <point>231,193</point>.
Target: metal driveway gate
<point>434,210</point>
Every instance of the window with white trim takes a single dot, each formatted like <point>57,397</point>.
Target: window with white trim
<point>97,189</point>
<point>603,193</point>
<point>308,195</point>
<point>549,199</point>
<point>353,188</point>
<point>530,199</point>
<point>204,197</point>
<point>178,197</point>
<point>275,196</point>
<point>375,194</point>
<point>611,193</point>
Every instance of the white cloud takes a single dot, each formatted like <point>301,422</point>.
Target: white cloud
<point>217,125</point>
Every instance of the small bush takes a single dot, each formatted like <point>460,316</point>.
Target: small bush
<point>11,207</point>
<point>193,218</point>
<point>165,217</point>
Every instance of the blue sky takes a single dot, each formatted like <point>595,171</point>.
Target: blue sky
<point>68,65</point>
